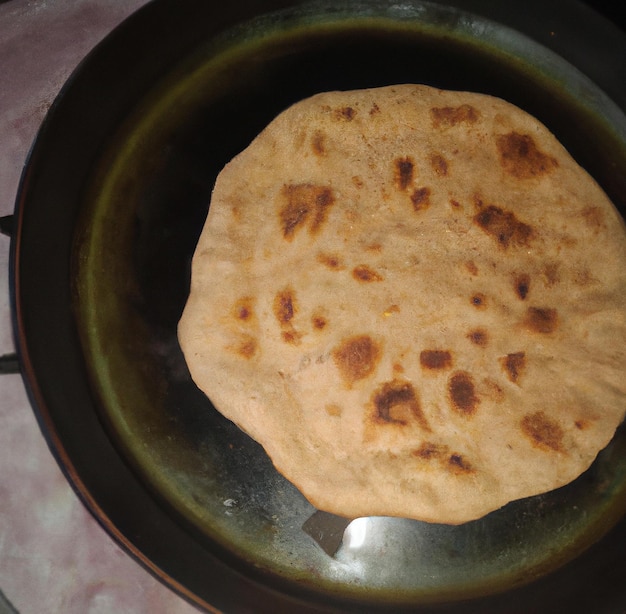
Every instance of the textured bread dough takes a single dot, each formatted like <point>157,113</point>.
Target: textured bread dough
<point>414,299</point>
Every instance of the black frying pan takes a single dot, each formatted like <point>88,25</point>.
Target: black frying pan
<point>111,204</point>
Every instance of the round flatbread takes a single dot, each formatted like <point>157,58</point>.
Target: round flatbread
<point>414,299</point>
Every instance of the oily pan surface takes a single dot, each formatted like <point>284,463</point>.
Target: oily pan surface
<point>414,300</point>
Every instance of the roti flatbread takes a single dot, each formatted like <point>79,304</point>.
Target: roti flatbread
<point>414,299</point>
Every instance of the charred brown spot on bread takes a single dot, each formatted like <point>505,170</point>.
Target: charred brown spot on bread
<point>439,165</point>
<point>304,205</point>
<point>285,309</point>
<point>395,402</point>
<point>429,451</point>
<point>319,322</point>
<point>522,285</point>
<point>582,424</point>
<point>244,313</point>
<point>332,261</point>
<point>318,143</point>
<point>520,157</point>
<point>453,462</point>
<point>478,336</point>
<point>374,109</point>
<point>513,365</point>
<point>243,309</point>
<point>543,320</point>
<point>291,336</point>
<point>420,198</point>
<point>247,347</point>
<point>356,358</point>
<point>346,113</point>
<point>470,265</point>
<point>458,465</point>
<point>543,432</point>
<point>436,359</point>
<point>365,274</point>
<point>403,172</point>
<point>479,300</point>
<point>285,306</point>
<point>462,393</point>
<point>451,116</point>
<point>503,226</point>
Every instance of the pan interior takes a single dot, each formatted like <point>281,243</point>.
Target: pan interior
<point>141,217</point>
